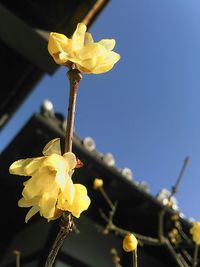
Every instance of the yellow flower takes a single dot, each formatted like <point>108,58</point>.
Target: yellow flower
<point>50,180</point>
<point>97,183</point>
<point>87,55</point>
<point>129,243</point>
<point>195,231</point>
<point>81,201</point>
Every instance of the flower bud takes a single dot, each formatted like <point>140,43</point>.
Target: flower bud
<point>97,183</point>
<point>130,243</point>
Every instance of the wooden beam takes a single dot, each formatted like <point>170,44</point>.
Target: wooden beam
<point>25,40</point>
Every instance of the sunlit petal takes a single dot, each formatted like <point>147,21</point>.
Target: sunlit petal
<point>81,201</point>
<point>87,55</point>
<point>70,159</point>
<point>40,182</point>
<point>69,191</point>
<point>107,63</point>
<point>88,38</point>
<point>90,51</point>
<point>55,163</point>
<point>79,36</point>
<point>52,147</point>
<point>109,44</point>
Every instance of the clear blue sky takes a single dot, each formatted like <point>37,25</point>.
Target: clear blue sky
<point>146,111</point>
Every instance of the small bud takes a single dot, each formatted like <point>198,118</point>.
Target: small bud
<point>97,183</point>
<point>105,231</point>
<point>130,243</point>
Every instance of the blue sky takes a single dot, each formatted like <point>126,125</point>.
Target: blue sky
<point>146,111</point>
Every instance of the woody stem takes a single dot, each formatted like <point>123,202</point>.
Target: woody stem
<point>74,78</point>
<point>66,225</point>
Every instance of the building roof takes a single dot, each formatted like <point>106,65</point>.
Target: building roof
<point>137,209</point>
<point>24,31</point>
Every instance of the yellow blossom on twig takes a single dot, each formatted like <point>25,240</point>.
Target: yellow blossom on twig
<point>195,231</point>
<point>87,55</point>
<point>130,243</point>
<point>50,182</point>
<point>97,183</point>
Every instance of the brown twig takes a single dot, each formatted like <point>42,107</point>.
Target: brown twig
<point>112,227</point>
<point>74,77</point>
<point>66,224</point>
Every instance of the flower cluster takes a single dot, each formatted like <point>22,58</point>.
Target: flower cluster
<point>50,190</point>
<point>87,55</point>
<point>195,231</point>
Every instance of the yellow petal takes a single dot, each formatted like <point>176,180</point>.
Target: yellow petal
<point>25,167</point>
<point>88,38</point>
<point>81,201</point>
<point>57,42</point>
<point>89,64</point>
<point>31,213</point>
<point>52,147</point>
<point>79,36</point>
<point>47,204</point>
<point>23,203</point>
<point>59,47</point>
<point>61,202</point>
<point>55,162</point>
<point>89,51</point>
<point>71,160</point>
<point>109,44</point>
<point>56,215</point>
<point>40,182</point>
<point>105,64</point>
<point>61,179</point>
<point>83,69</point>
<point>69,191</point>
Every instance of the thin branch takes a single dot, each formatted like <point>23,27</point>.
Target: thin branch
<point>183,235</point>
<point>74,77</point>
<point>106,197</point>
<point>66,226</point>
<point>141,238</point>
<point>180,176</point>
<point>17,254</point>
<point>135,258</point>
